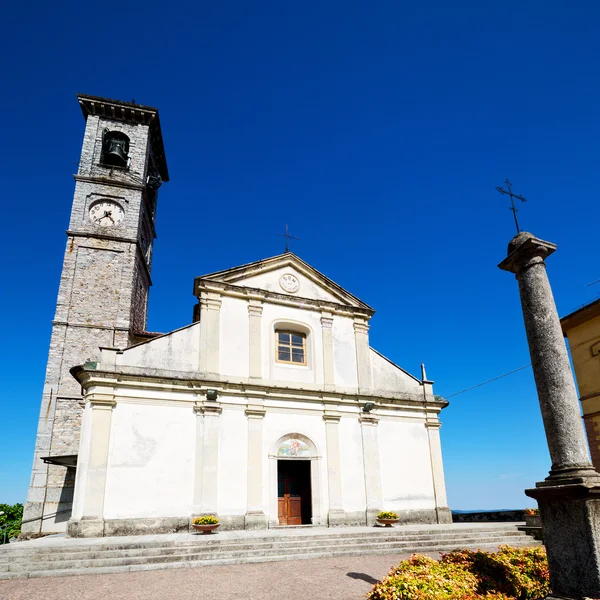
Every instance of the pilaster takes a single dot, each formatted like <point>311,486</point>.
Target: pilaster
<point>327,335</point>
<point>334,467</point>
<point>372,465</point>
<point>207,457</point>
<point>210,312</point>
<point>255,517</point>
<point>437,471</point>
<point>255,310</point>
<point>363,358</point>
<point>101,407</point>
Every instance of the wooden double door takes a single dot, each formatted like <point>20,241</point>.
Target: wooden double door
<point>293,491</point>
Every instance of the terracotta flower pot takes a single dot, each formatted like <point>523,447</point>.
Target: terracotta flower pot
<point>387,522</point>
<point>533,520</point>
<point>206,529</point>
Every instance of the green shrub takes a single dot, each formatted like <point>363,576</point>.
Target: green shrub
<point>12,518</point>
<point>387,515</point>
<point>205,520</point>
<point>509,574</point>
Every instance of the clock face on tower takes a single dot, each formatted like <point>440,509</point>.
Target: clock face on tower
<point>106,213</point>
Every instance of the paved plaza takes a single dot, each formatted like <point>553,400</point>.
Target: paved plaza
<point>338,578</point>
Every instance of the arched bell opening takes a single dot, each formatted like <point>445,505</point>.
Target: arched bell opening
<point>115,148</point>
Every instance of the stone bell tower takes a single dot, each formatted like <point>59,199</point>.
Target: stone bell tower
<point>103,293</point>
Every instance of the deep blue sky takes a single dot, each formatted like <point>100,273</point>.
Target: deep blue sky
<point>377,130</point>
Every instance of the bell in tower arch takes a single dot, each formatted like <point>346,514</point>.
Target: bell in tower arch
<point>115,148</point>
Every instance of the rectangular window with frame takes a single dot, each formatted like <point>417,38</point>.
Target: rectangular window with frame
<point>291,347</point>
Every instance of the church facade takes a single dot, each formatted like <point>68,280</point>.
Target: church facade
<point>269,409</point>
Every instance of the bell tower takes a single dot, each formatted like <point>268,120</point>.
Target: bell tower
<point>103,292</point>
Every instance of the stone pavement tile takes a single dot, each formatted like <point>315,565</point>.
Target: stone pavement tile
<point>338,578</point>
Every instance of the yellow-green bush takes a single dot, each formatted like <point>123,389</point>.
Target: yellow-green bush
<point>509,574</point>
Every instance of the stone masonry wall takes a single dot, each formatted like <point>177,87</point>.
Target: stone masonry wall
<point>102,299</point>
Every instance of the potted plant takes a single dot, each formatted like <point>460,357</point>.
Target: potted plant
<point>387,518</point>
<point>532,517</point>
<point>206,524</point>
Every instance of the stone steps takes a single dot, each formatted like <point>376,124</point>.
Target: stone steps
<point>111,555</point>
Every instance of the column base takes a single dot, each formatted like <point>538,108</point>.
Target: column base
<point>336,518</point>
<point>256,520</point>
<point>444,515</point>
<point>570,512</point>
<point>85,527</point>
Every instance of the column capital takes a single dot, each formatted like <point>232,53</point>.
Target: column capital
<point>368,419</point>
<point>255,411</point>
<point>326,319</point>
<point>525,250</point>
<point>332,416</point>
<point>211,301</point>
<point>255,308</point>
<point>433,424</point>
<point>361,326</point>
<point>208,408</point>
<point>101,402</point>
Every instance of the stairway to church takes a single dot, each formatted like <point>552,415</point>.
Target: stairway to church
<point>58,556</point>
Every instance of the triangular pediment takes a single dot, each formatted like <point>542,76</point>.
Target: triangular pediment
<point>289,275</point>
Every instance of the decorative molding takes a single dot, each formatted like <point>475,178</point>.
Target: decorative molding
<point>96,401</point>
<point>255,412</point>
<point>210,303</point>
<point>433,424</point>
<point>368,419</point>
<point>361,326</point>
<point>326,322</point>
<point>208,408</point>
<point>255,309</point>
<point>332,417</point>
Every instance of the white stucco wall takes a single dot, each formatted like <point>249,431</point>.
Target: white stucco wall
<point>344,353</point>
<point>151,462</point>
<point>387,377</point>
<point>353,473</point>
<point>176,351</point>
<point>405,465</point>
<point>233,462</point>
<point>270,282</point>
<point>234,337</point>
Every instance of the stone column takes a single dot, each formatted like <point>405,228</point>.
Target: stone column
<point>255,309</point>
<point>372,466</point>
<point>334,468</point>
<point>92,519</point>
<point>569,499</point>
<point>210,307</point>
<point>327,334</point>
<point>255,516</point>
<point>363,357</point>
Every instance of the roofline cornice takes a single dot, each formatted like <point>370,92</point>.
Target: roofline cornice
<point>239,291</point>
<point>176,381</point>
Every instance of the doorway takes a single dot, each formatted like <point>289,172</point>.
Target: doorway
<point>294,492</point>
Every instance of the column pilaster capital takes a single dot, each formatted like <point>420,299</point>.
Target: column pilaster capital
<point>368,419</point>
<point>326,320</point>
<point>255,308</point>
<point>361,325</point>
<point>255,411</point>
<point>332,416</point>
<point>211,301</point>
<point>208,408</point>
<point>525,250</point>
<point>433,424</point>
<point>101,402</point>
